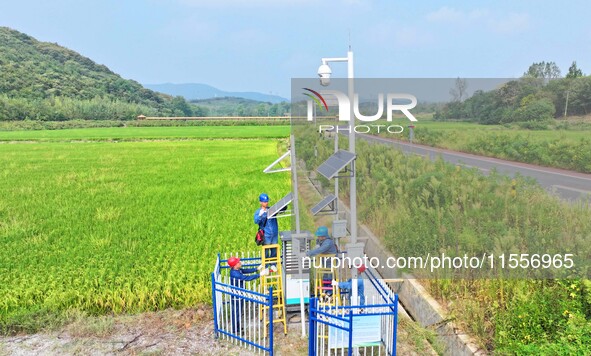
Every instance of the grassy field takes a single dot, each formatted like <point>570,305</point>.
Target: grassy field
<point>455,134</point>
<point>124,226</point>
<point>420,207</point>
<point>147,133</point>
<point>561,144</point>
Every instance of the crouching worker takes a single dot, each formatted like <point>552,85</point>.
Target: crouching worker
<point>237,277</point>
<point>347,286</point>
<point>324,246</point>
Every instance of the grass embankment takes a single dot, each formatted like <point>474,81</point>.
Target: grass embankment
<point>420,207</point>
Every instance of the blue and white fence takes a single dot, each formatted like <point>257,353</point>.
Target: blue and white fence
<point>368,327</point>
<point>244,316</point>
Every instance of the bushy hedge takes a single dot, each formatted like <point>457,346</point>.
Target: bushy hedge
<point>535,110</point>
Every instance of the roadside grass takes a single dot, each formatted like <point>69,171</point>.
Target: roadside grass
<point>560,144</point>
<point>421,207</point>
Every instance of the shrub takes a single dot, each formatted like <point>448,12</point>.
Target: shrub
<point>535,110</point>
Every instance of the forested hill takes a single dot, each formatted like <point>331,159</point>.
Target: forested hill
<point>45,81</point>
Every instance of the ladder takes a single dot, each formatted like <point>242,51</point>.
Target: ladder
<point>328,296</point>
<point>273,280</point>
<point>323,276</point>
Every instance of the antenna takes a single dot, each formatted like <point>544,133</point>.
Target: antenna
<point>349,29</point>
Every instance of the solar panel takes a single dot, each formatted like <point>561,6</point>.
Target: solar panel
<point>335,163</point>
<point>279,206</point>
<point>323,203</point>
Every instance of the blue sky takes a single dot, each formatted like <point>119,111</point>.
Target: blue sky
<point>259,45</point>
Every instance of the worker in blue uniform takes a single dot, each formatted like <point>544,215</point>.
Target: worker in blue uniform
<point>324,246</point>
<point>347,287</point>
<point>238,276</point>
<point>269,225</point>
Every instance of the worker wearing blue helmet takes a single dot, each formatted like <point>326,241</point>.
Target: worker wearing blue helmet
<point>268,225</point>
<point>324,244</point>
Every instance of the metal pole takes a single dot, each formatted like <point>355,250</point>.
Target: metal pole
<point>213,299</point>
<point>353,180</point>
<point>566,106</point>
<point>271,321</point>
<point>350,351</point>
<point>395,331</point>
<point>302,307</point>
<point>336,180</point>
<point>312,339</point>
<point>296,210</point>
<point>353,183</point>
<point>294,182</point>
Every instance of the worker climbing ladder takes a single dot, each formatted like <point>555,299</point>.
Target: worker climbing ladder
<point>273,280</point>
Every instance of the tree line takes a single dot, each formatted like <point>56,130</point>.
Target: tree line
<point>239,107</point>
<point>540,94</point>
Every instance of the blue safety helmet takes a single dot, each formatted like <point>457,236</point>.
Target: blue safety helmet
<point>322,231</point>
<point>263,198</point>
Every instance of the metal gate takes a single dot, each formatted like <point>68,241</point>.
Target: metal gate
<point>242,315</point>
<point>368,327</point>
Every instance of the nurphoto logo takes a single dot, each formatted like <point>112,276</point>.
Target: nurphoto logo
<point>344,113</point>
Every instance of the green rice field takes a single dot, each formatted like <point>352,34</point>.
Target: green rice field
<point>147,133</point>
<point>104,227</point>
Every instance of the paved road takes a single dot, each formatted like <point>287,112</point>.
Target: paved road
<point>568,185</point>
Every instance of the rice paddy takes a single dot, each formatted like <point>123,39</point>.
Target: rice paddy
<point>123,226</point>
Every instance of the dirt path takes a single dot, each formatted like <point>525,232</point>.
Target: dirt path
<point>168,332</point>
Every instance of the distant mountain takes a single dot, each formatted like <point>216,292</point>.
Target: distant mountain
<point>45,81</point>
<point>40,70</point>
<point>197,91</point>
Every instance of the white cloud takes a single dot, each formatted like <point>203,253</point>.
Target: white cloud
<point>498,23</point>
<point>511,23</point>
<point>447,14</point>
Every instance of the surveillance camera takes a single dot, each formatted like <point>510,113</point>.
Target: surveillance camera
<point>324,73</point>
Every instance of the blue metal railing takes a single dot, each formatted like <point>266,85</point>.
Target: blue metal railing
<point>224,294</point>
<point>329,316</point>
